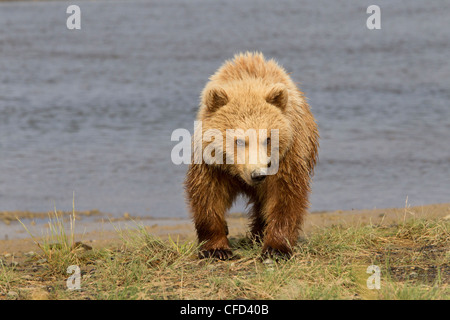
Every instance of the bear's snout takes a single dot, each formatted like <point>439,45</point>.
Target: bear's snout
<point>257,176</point>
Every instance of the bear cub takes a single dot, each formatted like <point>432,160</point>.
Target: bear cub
<point>251,104</point>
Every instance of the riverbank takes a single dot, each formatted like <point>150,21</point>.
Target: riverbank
<point>145,260</point>
<point>93,225</point>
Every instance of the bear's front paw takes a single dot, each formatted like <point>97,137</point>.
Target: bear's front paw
<point>221,254</point>
<point>276,254</point>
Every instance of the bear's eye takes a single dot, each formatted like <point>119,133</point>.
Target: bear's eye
<point>267,141</point>
<point>240,142</point>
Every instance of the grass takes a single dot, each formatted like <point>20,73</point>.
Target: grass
<point>59,247</point>
<point>329,263</point>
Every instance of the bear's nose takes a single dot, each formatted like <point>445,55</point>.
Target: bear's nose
<point>257,176</point>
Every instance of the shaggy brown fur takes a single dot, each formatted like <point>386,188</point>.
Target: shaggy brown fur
<point>251,92</point>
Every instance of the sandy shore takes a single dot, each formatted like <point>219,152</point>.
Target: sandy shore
<point>102,231</point>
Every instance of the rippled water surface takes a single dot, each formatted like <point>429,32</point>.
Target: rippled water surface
<point>92,111</point>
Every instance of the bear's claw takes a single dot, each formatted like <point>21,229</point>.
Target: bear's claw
<point>275,254</point>
<point>221,254</point>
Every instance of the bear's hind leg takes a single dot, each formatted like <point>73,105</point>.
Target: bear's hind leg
<point>257,224</point>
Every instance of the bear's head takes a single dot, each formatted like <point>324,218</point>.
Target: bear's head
<point>245,129</point>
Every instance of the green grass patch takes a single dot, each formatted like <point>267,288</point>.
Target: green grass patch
<point>328,263</point>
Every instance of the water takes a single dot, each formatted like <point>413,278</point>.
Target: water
<point>92,111</point>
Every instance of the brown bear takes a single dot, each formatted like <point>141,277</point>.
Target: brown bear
<point>250,92</point>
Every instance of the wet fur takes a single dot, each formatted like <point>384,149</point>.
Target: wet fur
<point>279,204</point>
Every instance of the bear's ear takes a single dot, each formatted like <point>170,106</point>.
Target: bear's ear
<point>278,96</point>
<point>215,98</point>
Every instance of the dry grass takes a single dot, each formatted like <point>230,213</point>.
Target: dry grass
<point>330,263</point>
